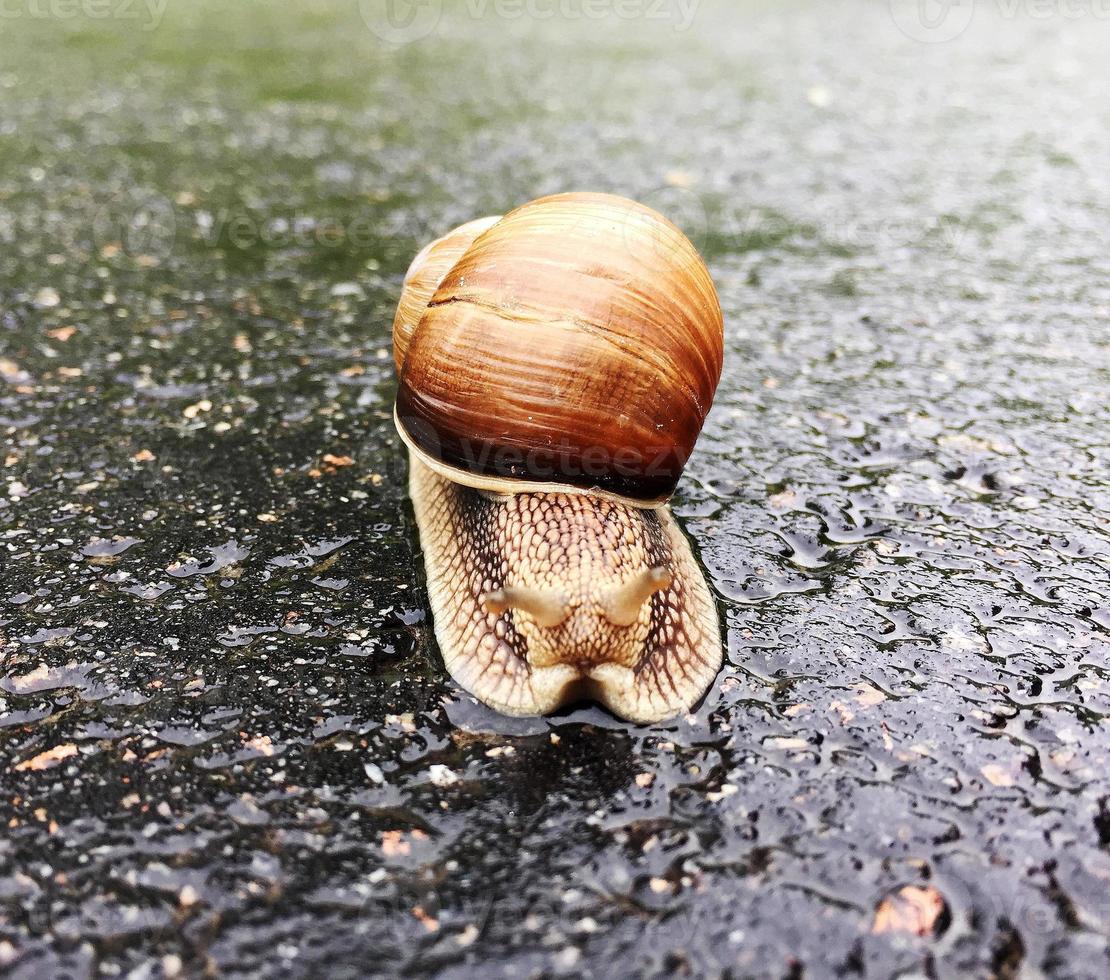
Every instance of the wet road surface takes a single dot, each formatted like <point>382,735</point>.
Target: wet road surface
<point>227,743</point>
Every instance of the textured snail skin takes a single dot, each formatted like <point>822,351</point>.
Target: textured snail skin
<point>581,549</point>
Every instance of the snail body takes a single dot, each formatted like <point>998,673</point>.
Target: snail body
<point>555,367</point>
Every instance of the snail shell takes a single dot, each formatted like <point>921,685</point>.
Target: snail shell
<point>556,366</point>
<point>426,272</point>
<point>576,343</point>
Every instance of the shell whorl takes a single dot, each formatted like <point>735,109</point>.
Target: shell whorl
<point>576,343</point>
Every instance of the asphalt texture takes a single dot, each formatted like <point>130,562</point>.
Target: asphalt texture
<point>227,742</point>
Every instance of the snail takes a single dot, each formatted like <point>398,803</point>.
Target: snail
<point>555,367</point>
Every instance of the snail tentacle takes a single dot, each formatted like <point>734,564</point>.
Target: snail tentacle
<point>622,605</point>
<point>547,609</point>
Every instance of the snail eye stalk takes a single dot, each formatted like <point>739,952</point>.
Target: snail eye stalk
<point>622,605</point>
<point>548,609</point>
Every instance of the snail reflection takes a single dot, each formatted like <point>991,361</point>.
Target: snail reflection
<point>555,367</point>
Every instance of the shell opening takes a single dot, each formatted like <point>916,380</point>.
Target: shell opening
<point>622,605</point>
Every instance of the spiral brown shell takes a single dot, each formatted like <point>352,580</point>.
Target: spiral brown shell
<point>574,343</point>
